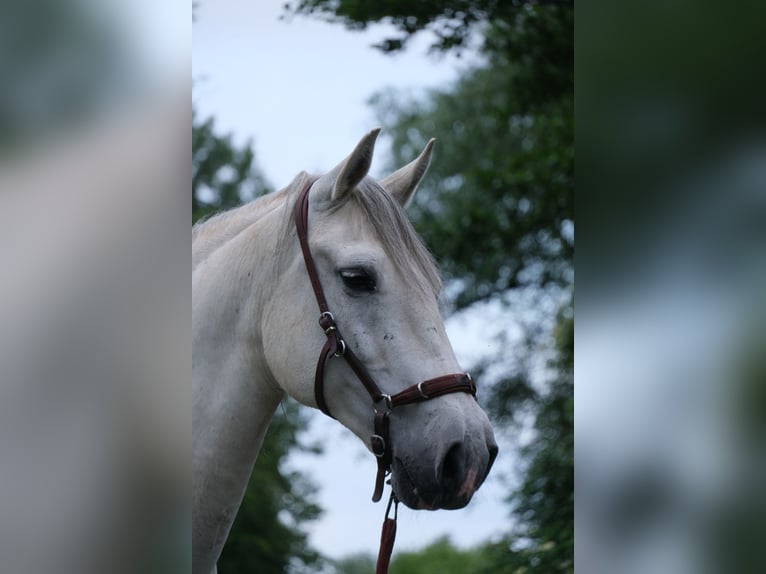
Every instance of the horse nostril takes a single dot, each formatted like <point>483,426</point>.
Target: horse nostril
<point>451,465</point>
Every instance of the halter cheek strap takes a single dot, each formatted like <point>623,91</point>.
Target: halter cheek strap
<point>383,404</point>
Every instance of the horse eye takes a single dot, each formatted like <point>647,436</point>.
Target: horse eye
<point>358,280</point>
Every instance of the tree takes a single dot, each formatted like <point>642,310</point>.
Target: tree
<point>544,503</point>
<point>355,564</point>
<point>440,557</point>
<point>451,21</point>
<point>266,536</point>
<point>503,174</point>
<point>223,176</point>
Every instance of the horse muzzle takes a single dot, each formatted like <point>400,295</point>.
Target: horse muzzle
<point>450,483</point>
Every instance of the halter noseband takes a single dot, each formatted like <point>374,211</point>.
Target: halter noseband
<point>335,346</point>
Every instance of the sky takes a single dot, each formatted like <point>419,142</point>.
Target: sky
<point>299,91</point>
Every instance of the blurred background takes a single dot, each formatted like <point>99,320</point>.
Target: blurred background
<point>280,88</point>
<point>95,335</point>
<point>671,194</point>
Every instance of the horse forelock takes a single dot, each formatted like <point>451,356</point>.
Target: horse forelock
<point>397,235</point>
<point>390,223</point>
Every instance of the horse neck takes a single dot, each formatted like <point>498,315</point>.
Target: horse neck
<point>234,392</point>
<point>234,264</point>
<point>210,235</point>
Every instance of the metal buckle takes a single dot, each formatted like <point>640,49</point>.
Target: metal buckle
<point>342,346</point>
<point>326,315</point>
<point>388,401</point>
<point>393,500</point>
<point>420,390</point>
<point>378,444</point>
<point>472,385</point>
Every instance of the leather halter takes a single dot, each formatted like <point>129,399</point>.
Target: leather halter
<point>336,346</point>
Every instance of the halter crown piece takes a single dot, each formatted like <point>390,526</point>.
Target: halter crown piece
<point>383,404</point>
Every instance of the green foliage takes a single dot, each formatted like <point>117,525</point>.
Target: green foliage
<point>545,502</point>
<point>451,21</point>
<point>440,557</point>
<point>62,64</point>
<point>355,564</point>
<point>497,204</point>
<point>266,536</point>
<point>223,176</point>
<point>497,217</point>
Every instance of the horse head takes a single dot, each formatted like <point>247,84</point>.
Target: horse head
<point>382,287</point>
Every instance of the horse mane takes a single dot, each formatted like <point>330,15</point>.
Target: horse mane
<point>397,235</point>
<point>390,223</point>
<point>380,210</point>
<point>226,224</point>
<point>210,233</point>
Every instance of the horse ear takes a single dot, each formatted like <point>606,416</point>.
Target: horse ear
<point>404,181</point>
<point>354,168</point>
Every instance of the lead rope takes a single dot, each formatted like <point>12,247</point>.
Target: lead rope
<point>387,536</point>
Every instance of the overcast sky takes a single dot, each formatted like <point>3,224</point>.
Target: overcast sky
<point>299,90</point>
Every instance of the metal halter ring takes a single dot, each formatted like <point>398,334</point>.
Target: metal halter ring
<point>388,401</point>
<point>342,344</point>
<point>330,318</point>
<point>378,444</point>
<point>420,390</point>
<point>472,383</point>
